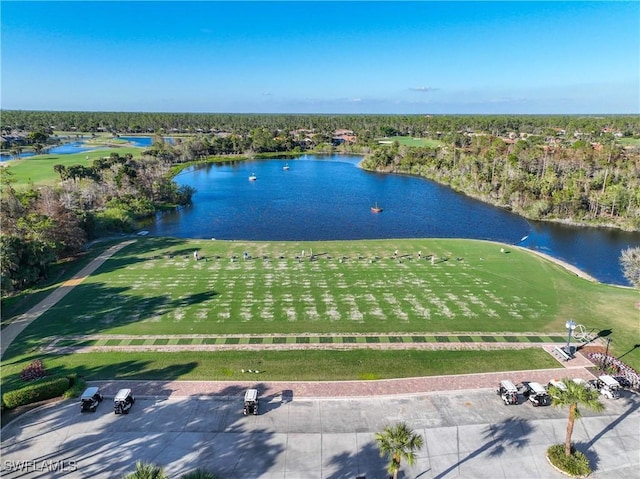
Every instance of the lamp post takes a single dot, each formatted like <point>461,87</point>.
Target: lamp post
<point>570,325</point>
<point>606,356</point>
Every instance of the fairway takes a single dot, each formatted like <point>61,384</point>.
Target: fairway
<point>154,301</point>
<point>410,141</point>
<point>155,286</point>
<point>39,169</point>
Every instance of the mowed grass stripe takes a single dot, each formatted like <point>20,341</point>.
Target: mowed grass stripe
<point>288,365</point>
<point>136,293</point>
<point>155,287</point>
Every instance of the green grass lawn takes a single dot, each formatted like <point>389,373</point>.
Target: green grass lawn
<point>410,141</point>
<point>312,365</point>
<point>39,169</point>
<point>629,141</point>
<point>156,287</point>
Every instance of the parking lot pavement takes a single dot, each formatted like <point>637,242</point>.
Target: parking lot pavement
<point>468,434</point>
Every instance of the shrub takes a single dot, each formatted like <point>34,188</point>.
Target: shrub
<point>76,388</point>
<point>577,464</point>
<point>199,474</point>
<point>35,392</point>
<point>146,471</point>
<point>34,370</point>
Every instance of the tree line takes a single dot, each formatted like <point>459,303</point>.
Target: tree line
<point>42,225</point>
<point>540,173</point>
<point>365,126</point>
<point>576,183</point>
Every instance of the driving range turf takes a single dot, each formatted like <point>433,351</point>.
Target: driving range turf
<point>456,288</point>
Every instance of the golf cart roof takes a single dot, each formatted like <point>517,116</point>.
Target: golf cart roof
<point>251,395</point>
<point>537,388</point>
<point>122,395</point>
<point>89,392</point>
<point>559,384</point>
<point>609,381</point>
<point>508,385</point>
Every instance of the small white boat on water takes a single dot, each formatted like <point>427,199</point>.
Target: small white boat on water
<point>253,177</point>
<point>286,166</point>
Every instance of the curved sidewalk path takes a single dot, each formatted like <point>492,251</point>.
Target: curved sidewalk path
<point>12,330</point>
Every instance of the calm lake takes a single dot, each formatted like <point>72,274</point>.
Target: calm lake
<point>330,198</point>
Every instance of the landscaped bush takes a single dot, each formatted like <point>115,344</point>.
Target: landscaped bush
<point>75,388</point>
<point>199,474</point>
<point>35,392</point>
<point>35,370</point>
<point>147,471</point>
<point>577,464</point>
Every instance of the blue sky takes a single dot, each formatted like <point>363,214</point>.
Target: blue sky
<point>322,57</point>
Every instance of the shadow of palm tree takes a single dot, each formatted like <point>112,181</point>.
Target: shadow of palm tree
<point>366,462</point>
<point>586,449</point>
<point>635,404</point>
<point>216,442</point>
<point>511,433</point>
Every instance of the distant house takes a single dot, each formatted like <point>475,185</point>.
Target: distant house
<point>341,136</point>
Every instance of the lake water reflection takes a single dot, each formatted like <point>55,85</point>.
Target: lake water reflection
<point>330,198</point>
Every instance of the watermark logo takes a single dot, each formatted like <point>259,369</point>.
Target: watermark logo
<point>62,466</point>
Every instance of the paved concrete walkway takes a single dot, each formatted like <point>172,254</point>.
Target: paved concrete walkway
<point>11,332</point>
<point>467,434</point>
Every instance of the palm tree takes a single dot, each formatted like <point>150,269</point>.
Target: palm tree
<point>147,471</point>
<point>397,442</point>
<point>573,396</point>
<point>199,474</point>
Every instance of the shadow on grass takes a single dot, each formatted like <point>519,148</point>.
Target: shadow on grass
<point>115,368</point>
<point>91,308</point>
<point>144,249</point>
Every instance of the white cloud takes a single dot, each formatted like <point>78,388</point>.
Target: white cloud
<point>423,89</point>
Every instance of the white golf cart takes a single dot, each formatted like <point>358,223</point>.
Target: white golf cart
<point>508,392</point>
<point>250,402</point>
<point>558,384</point>
<point>90,399</point>
<point>583,382</point>
<point>609,387</point>
<point>536,394</point>
<point>123,401</point>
